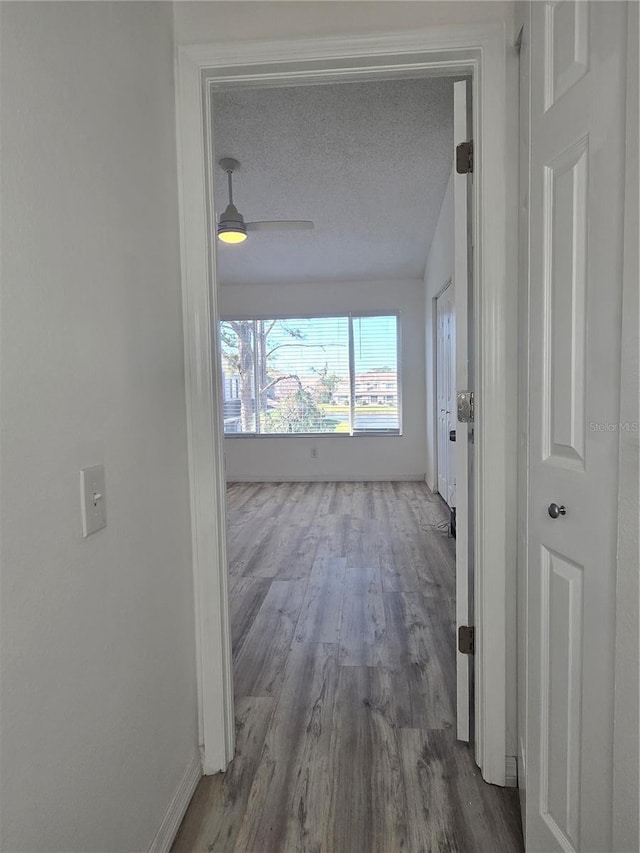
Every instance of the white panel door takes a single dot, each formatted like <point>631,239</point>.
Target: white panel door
<point>577,55</point>
<point>463,447</point>
<point>445,392</point>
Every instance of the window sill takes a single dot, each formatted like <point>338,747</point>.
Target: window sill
<point>316,435</point>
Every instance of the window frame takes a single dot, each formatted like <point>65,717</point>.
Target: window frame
<point>350,316</point>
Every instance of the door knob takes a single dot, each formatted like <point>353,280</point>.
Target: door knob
<point>554,510</point>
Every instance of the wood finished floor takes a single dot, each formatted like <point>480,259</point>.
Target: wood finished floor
<point>343,625</point>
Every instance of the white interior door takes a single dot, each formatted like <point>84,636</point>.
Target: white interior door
<point>463,447</point>
<point>577,55</point>
<point>445,392</point>
<point>451,398</point>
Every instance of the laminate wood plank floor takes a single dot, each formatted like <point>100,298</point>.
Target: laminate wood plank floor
<point>342,599</point>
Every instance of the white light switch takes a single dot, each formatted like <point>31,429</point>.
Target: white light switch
<point>93,499</point>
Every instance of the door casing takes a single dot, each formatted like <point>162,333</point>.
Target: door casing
<point>482,53</point>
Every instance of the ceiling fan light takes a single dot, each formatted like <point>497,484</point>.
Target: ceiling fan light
<point>231,233</point>
<point>231,227</point>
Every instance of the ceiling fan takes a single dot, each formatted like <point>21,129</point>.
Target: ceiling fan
<point>231,226</point>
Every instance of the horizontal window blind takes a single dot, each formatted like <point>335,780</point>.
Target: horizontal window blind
<point>375,364</point>
<point>310,375</point>
<point>305,369</point>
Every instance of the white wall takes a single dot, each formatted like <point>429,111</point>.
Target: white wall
<point>99,707</point>
<point>197,22</point>
<point>339,456</point>
<point>438,272</point>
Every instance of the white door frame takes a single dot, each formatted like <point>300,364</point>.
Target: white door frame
<point>480,51</point>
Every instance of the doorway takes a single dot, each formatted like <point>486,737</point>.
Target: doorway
<point>459,51</point>
<point>324,395</point>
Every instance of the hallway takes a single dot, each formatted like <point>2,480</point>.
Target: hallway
<point>342,601</point>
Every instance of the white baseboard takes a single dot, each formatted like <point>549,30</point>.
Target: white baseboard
<point>178,806</point>
<point>510,771</point>
<point>328,478</point>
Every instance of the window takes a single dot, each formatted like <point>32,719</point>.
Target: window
<point>311,375</point>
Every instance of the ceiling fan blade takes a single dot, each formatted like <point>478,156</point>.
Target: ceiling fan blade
<point>280,225</point>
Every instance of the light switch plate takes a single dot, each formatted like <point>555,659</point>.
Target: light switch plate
<point>93,499</point>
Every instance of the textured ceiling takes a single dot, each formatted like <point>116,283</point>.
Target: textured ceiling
<point>367,162</point>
